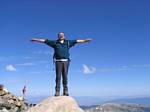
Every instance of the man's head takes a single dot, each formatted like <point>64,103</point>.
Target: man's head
<point>61,36</point>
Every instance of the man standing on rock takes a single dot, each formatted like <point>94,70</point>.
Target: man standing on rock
<point>61,55</point>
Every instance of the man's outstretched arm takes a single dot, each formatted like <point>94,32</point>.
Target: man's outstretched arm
<point>84,40</point>
<point>38,40</point>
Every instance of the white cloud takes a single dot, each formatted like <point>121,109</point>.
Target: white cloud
<point>43,52</point>
<point>48,52</point>
<point>114,69</point>
<point>10,68</point>
<point>26,64</point>
<point>142,66</point>
<point>42,61</point>
<point>88,70</point>
<point>35,72</point>
<point>37,52</point>
<point>30,57</point>
<point>40,72</point>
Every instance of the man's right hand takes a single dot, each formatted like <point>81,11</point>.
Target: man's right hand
<point>38,40</point>
<point>33,40</point>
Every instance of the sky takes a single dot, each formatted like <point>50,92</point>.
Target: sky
<point>115,63</point>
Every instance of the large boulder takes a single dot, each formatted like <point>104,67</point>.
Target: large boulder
<point>11,103</point>
<point>57,104</point>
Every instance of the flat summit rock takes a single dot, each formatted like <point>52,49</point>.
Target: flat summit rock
<point>57,104</point>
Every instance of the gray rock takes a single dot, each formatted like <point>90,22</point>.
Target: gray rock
<point>11,103</point>
<point>57,104</point>
<point>4,110</point>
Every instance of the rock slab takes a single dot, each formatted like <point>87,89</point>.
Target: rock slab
<point>57,104</point>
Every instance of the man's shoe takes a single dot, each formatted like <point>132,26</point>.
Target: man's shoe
<point>65,93</point>
<point>57,93</point>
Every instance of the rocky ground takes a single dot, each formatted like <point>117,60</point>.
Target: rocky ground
<point>11,103</point>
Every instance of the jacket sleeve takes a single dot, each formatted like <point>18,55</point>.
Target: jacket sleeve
<point>50,43</point>
<point>72,42</point>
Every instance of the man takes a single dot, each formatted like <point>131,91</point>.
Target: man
<point>61,55</point>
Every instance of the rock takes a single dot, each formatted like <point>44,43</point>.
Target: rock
<point>4,110</point>
<point>11,103</point>
<point>57,104</point>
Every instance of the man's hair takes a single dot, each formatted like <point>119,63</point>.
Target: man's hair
<point>59,33</point>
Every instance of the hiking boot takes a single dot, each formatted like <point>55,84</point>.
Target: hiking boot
<point>65,93</point>
<point>57,93</point>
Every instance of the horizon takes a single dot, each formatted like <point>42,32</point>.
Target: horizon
<point>116,62</point>
<point>97,100</point>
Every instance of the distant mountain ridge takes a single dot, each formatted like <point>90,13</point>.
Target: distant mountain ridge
<point>144,100</point>
<point>114,107</point>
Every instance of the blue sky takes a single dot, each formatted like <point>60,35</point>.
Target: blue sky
<point>115,63</point>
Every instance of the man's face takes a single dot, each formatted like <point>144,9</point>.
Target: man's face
<point>61,36</point>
